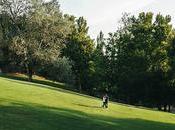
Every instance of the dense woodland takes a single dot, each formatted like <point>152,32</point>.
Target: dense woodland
<point>134,65</point>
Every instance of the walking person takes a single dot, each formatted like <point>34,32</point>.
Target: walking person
<point>105,101</point>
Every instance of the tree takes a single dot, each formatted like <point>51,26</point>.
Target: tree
<point>43,36</point>
<point>79,48</point>
<point>98,57</point>
<point>59,70</point>
<point>171,90</point>
<point>138,59</point>
<point>11,14</point>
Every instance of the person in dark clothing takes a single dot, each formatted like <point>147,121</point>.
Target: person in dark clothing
<point>105,101</point>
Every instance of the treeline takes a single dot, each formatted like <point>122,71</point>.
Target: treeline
<point>139,61</point>
<point>134,65</point>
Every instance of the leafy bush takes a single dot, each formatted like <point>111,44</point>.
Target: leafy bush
<point>60,70</point>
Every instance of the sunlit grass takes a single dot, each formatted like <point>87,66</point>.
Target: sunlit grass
<point>30,106</point>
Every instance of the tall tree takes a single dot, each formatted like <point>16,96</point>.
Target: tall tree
<point>79,49</point>
<point>97,72</point>
<point>138,56</point>
<point>12,13</point>
<point>43,37</point>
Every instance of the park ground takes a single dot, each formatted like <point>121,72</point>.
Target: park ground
<point>32,106</point>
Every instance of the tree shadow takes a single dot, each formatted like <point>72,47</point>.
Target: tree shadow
<point>89,106</point>
<point>24,116</point>
<point>60,87</point>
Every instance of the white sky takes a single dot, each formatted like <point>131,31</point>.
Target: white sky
<point>105,14</point>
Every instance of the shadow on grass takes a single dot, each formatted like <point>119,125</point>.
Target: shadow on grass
<point>23,116</point>
<point>88,106</point>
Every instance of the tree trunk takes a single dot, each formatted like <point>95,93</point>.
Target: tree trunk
<point>78,82</point>
<point>29,72</point>
<point>80,88</point>
<point>169,108</point>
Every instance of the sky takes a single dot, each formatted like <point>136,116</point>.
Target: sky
<point>104,15</point>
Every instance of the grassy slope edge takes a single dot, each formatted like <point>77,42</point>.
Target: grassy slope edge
<point>26,106</point>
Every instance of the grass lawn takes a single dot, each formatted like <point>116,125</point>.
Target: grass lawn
<point>30,106</point>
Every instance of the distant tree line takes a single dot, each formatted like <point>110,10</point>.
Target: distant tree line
<point>138,61</point>
<point>134,65</point>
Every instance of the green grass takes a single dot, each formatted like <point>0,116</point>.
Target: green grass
<point>30,106</point>
<point>36,79</point>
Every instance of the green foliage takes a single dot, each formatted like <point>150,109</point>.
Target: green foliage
<point>99,71</point>
<point>138,61</point>
<point>60,70</point>
<point>79,49</point>
<point>135,64</point>
<point>40,32</point>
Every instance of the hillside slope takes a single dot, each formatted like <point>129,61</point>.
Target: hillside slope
<point>28,106</point>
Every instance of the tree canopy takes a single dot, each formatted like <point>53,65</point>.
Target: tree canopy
<point>135,64</point>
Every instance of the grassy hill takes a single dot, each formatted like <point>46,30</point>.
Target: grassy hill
<point>29,106</point>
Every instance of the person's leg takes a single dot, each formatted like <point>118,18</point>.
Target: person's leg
<point>106,105</point>
<point>103,105</point>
